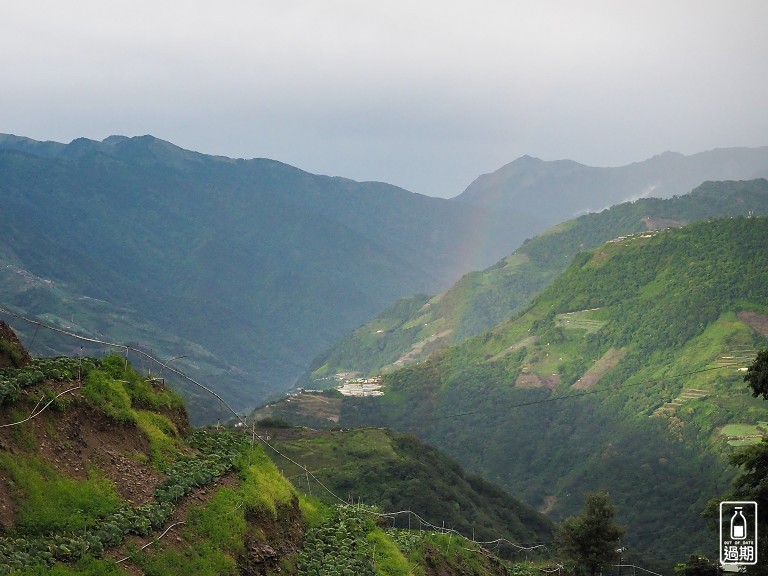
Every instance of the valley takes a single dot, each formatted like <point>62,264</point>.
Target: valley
<point>480,300</point>
<point>601,356</point>
<point>246,270</point>
<point>384,289</point>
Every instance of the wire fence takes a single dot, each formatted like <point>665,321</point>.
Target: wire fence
<point>492,545</point>
<point>111,347</point>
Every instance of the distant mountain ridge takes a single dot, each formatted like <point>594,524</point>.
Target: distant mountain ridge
<point>548,192</point>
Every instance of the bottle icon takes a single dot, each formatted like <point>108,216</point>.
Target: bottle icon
<point>738,525</point>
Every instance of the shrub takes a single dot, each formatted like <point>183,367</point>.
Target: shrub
<point>200,559</point>
<point>108,395</point>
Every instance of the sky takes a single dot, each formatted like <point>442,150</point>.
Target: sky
<point>426,95</point>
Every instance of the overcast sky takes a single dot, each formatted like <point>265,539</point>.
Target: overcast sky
<point>426,94</point>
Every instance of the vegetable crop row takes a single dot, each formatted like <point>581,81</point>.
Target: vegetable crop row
<point>219,453</point>
<point>14,380</point>
<point>338,547</point>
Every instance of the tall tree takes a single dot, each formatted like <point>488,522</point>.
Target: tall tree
<point>752,483</point>
<point>757,375</point>
<point>590,539</point>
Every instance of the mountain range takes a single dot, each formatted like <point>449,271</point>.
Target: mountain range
<point>242,271</point>
<point>245,268</point>
<point>605,353</point>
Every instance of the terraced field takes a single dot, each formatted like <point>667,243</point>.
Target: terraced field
<point>744,434</point>
<point>581,320</point>
<point>688,394</point>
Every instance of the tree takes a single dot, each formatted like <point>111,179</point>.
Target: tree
<point>590,539</point>
<point>757,375</point>
<point>698,566</point>
<point>752,483</point>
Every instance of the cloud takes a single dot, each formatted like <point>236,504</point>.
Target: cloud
<point>425,94</point>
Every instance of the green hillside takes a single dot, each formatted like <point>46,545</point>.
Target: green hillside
<point>101,474</point>
<point>398,472</point>
<point>622,375</point>
<point>413,328</point>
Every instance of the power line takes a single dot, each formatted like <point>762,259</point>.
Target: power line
<point>306,470</point>
<point>166,366</point>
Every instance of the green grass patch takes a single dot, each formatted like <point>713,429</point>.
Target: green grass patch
<point>49,502</point>
<point>116,389</point>
<point>744,434</point>
<point>741,430</point>
<point>263,487</point>
<point>568,359</point>
<point>202,558</point>
<point>744,442</point>
<point>313,511</point>
<point>388,560</point>
<point>752,306</point>
<point>582,320</point>
<point>144,395</point>
<point>221,521</point>
<point>164,443</point>
<point>321,372</point>
<point>109,396</point>
<point>559,228</point>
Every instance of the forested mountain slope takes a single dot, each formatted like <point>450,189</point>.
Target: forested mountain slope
<point>241,270</point>
<point>413,328</point>
<point>244,268</point>
<point>398,472</point>
<point>624,374</point>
